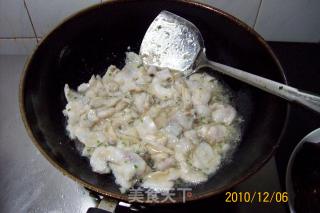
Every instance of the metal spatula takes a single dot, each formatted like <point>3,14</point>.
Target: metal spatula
<point>175,43</point>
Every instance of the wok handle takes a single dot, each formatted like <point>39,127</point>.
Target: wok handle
<point>106,205</point>
<point>291,94</point>
<point>112,206</point>
<point>96,210</point>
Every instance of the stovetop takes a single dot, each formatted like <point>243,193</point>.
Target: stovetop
<point>31,184</point>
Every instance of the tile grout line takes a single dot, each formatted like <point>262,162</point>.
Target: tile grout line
<point>22,37</point>
<point>34,30</point>
<point>255,21</point>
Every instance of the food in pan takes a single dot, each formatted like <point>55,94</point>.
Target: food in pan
<point>152,126</point>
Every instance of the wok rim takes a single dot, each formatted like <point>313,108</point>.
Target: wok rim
<point>120,196</point>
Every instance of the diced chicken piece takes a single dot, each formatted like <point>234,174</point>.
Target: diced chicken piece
<point>98,160</point>
<point>185,121</point>
<point>112,137</point>
<point>174,129</point>
<point>158,138</point>
<point>156,147</point>
<point>89,138</point>
<point>111,87</point>
<point>125,165</point>
<point>196,77</point>
<point>109,75</point>
<point>224,149</point>
<point>133,59</point>
<point>201,96</point>
<point>123,118</point>
<point>70,94</point>
<point>184,146</point>
<point>153,112</point>
<point>205,158</point>
<point>158,85</point>
<point>74,110</point>
<point>104,102</point>
<point>162,161</point>
<point>161,120</point>
<point>126,80</point>
<point>142,101</point>
<point>123,77</point>
<point>223,113</point>
<point>213,134</point>
<point>92,115</point>
<point>146,127</point>
<point>166,163</point>
<point>187,173</point>
<point>184,92</point>
<point>121,105</point>
<point>105,112</point>
<point>192,136</point>
<point>161,91</point>
<point>83,87</point>
<point>203,110</point>
<point>172,141</point>
<point>164,75</point>
<point>209,78</point>
<point>192,85</point>
<point>161,181</point>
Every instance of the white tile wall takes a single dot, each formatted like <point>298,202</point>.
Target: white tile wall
<point>275,20</point>
<point>289,20</point>
<point>46,14</point>
<point>17,46</point>
<point>14,20</point>
<point>245,10</point>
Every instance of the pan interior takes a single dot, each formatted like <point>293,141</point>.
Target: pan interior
<point>89,42</point>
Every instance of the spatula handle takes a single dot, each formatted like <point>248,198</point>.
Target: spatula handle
<point>291,94</point>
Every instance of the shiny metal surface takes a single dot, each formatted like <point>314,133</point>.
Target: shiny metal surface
<point>171,42</point>
<point>28,182</point>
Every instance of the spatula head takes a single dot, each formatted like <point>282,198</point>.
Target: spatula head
<point>171,42</point>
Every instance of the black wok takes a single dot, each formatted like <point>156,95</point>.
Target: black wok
<point>91,40</point>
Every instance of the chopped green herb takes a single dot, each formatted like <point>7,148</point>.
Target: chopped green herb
<point>140,65</point>
<point>90,149</point>
<point>202,120</point>
<point>135,166</point>
<point>99,143</point>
